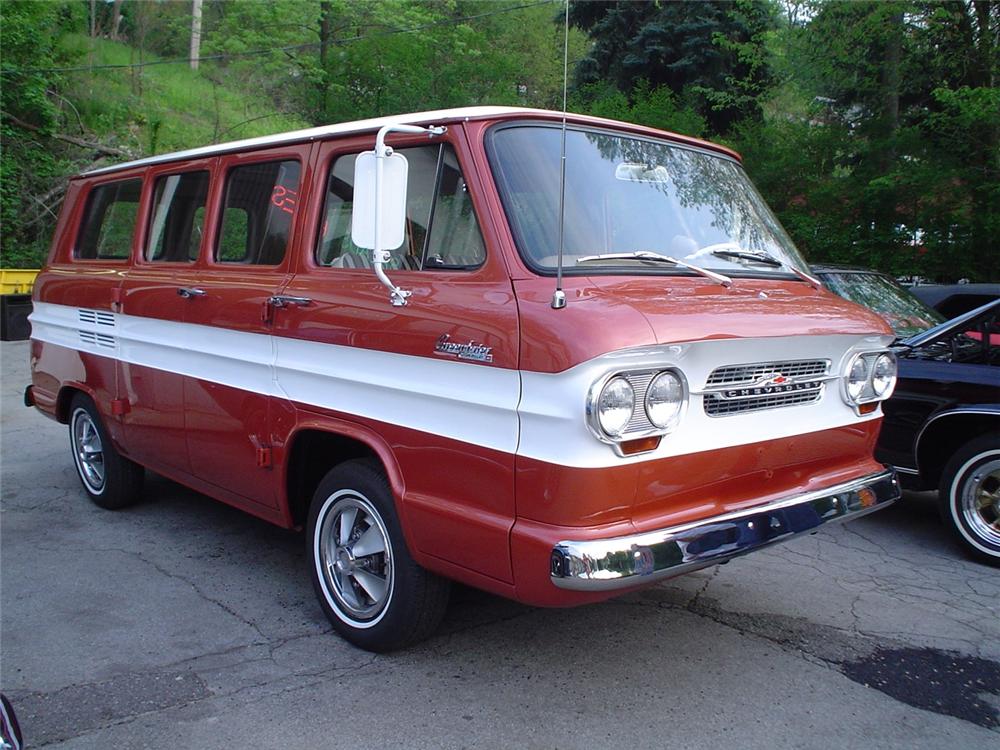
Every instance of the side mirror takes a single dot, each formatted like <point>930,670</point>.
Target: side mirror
<point>367,221</point>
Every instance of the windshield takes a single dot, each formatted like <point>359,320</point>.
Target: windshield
<point>627,195</point>
<point>905,313</point>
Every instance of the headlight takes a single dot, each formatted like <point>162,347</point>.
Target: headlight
<point>664,399</point>
<point>615,405</point>
<point>884,375</point>
<point>857,379</point>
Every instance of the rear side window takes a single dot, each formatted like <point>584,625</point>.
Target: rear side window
<point>441,227</point>
<point>261,200</point>
<point>109,221</point>
<point>178,217</point>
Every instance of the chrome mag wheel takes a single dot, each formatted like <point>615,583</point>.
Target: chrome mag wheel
<point>355,558</point>
<point>980,501</point>
<point>88,451</point>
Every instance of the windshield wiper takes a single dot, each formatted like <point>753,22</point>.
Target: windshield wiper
<point>657,258</point>
<point>763,258</point>
<point>767,260</point>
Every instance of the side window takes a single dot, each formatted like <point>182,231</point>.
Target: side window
<point>109,221</point>
<point>178,217</point>
<point>441,228</point>
<point>257,214</point>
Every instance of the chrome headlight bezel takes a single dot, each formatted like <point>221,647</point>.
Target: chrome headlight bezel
<point>617,383</point>
<point>890,385</point>
<point>671,421</point>
<point>640,380</point>
<point>862,390</point>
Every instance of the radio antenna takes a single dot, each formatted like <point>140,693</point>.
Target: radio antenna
<point>559,296</point>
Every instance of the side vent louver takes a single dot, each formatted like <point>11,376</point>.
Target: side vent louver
<point>97,318</point>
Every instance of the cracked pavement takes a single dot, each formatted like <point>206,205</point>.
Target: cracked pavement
<point>182,622</point>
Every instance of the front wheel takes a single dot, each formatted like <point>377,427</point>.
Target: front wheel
<point>970,497</point>
<point>372,591</point>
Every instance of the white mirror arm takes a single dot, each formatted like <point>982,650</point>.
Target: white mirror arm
<point>397,296</point>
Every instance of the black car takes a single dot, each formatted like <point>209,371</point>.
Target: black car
<point>951,300</point>
<point>942,425</point>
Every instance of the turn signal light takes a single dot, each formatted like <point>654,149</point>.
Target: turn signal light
<point>867,408</point>
<point>640,445</point>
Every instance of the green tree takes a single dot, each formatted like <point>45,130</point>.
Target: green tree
<point>711,55</point>
<point>902,114</point>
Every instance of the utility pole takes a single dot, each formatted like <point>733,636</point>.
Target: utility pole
<point>195,33</point>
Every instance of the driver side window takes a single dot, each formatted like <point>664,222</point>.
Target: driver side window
<point>441,227</point>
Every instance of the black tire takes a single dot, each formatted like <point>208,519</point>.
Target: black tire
<point>380,600</point>
<point>109,479</point>
<point>969,497</point>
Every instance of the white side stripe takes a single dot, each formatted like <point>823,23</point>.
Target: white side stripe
<point>536,415</point>
<point>459,400</point>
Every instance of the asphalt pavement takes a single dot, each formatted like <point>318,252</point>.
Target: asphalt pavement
<point>183,623</point>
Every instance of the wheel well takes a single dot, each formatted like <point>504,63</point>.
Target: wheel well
<point>63,400</point>
<point>312,454</point>
<point>945,436</point>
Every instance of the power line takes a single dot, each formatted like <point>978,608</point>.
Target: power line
<point>271,50</point>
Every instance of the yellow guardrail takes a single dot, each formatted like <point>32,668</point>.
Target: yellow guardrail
<point>17,280</point>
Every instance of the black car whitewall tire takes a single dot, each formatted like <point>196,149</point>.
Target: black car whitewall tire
<point>970,497</point>
<point>110,480</point>
<point>372,591</point>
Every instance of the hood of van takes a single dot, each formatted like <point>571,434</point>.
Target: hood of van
<point>609,313</point>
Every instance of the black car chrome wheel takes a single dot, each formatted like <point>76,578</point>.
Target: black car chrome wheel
<point>970,497</point>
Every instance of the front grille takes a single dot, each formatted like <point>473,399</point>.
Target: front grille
<point>739,389</point>
<point>716,406</point>
<point>757,371</point>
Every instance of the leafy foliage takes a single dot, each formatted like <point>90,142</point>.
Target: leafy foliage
<point>710,53</point>
<point>873,128</point>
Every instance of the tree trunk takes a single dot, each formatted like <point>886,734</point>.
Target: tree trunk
<point>323,85</point>
<point>116,18</point>
<point>195,33</point>
<point>890,73</point>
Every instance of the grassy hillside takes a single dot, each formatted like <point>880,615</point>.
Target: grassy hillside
<point>161,108</point>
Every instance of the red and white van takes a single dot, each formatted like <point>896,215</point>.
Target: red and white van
<point>374,349</point>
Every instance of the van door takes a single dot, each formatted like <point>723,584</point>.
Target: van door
<point>230,384</point>
<point>437,378</point>
<point>155,300</point>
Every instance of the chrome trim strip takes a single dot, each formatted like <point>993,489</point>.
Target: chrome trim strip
<point>622,562</point>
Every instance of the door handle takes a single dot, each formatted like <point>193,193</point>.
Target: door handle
<point>190,293</point>
<point>281,300</point>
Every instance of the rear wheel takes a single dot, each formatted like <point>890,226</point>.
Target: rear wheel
<point>372,591</point>
<point>970,497</point>
<point>110,480</point>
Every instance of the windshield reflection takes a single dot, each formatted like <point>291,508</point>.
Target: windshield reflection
<point>625,195</point>
<point>906,314</point>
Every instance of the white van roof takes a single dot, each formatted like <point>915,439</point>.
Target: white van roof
<point>323,131</point>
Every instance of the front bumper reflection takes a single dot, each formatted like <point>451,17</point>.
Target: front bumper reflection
<point>608,564</point>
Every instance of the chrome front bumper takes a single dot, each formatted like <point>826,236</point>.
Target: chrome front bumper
<point>608,564</point>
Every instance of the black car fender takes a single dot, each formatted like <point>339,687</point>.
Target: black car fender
<point>948,430</point>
